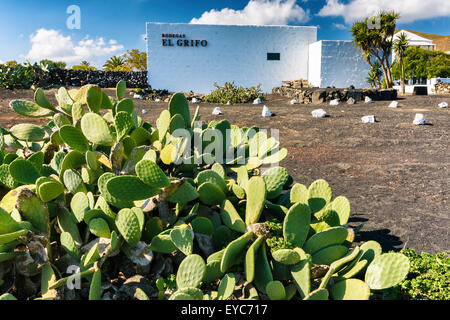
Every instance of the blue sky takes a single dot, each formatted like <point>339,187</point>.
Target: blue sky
<point>30,30</point>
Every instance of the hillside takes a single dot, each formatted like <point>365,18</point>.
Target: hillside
<point>442,42</point>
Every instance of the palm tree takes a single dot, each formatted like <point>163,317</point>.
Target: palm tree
<point>376,42</point>
<point>400,46</point>
<point>85,63</point>
<point>114,63</point>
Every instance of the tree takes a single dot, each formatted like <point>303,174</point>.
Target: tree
<point>423,64</point>
<point>136,59</point>
<point>116,63</point>
<point>377,42</point>
<point>375,75</point>
<point>85,63</point>
<point>49,64</point>
<point>400,46</point>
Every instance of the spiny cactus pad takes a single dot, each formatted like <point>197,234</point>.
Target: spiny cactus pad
<point>387,270</point>
<point>350,289</point>
<point>96,129</point>
<point>130,188</point>
<point>191,271</point>
<point>183,237</point>
<point>296,224</point>
<point>319,195</point>
<point>128,225</point>
<point>331,236</point>
<point>151,174</point>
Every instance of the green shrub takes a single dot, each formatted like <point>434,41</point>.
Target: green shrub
<point>230,92</point>
<point>428,277</point>
<point>83,67</point>
<point>13,75</point>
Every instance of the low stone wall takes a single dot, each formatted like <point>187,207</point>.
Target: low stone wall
<point>104,79</point>
<point>442,87</point>
<point>323,95</point>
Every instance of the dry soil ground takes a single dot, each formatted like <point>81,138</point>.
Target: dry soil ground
<point>395,174</point>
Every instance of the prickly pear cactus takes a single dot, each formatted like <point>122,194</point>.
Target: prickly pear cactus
<point>94,181</point>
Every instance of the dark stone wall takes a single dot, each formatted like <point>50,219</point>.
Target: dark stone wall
<point>104,79</point>
<point>322,95</point>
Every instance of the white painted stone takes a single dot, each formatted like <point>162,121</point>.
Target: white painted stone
<point>368,119</point>
<point>137,96</point>
<point>217,111</point>
<point>157,100</point>
<point>229,103</point>
<point>257,101</point>
<point>334,102</point>
<point>293,101</point>
<point>144,111</point>
<point>266,112</point>
<point>443,105</point>
<point>368,99</point>
<point>319,113</point>
<point>419,119</point>
<point>393,104</point>
<point>194,100</point>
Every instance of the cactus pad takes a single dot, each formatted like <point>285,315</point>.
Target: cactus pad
<point>178,104</point>
<point>275,290</point>
<point>29,109</point>
<point>96,129</point>
<point>329,254</point>
<point>256,197</point>
<point>233,250</point>
<point>129,227</point>
<point>296,224</point>
<point>275,178</point>
<point>210,194</point>
<point>231,218</point>
<point>182,237</point>
<point>190,272</point>
<point>387,270</point>
<point>130,188</point>
<point>332,236</point>
<point>319,195</point>
<point>185,193</point>
<point>350,289</point>
<point>212,177</point>
<point>226,286</point>
<point>286,256</point>
<point>151,174</point>
<point>28,132</point>
<point>74,138</point>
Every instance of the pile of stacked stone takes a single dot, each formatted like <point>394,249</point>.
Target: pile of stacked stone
<point>442,87</point>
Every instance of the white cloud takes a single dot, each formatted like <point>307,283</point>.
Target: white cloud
<point>257,12</point>
<point>410,10</point>
<point>339,26</point>
<point>51,44</point>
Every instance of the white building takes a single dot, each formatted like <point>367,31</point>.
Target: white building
<point>414,40</point>
<point>192,57</point>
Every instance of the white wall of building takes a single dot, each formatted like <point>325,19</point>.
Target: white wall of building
<point>233,53</point>
<point>315,63</point>
<point>341,65</point>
